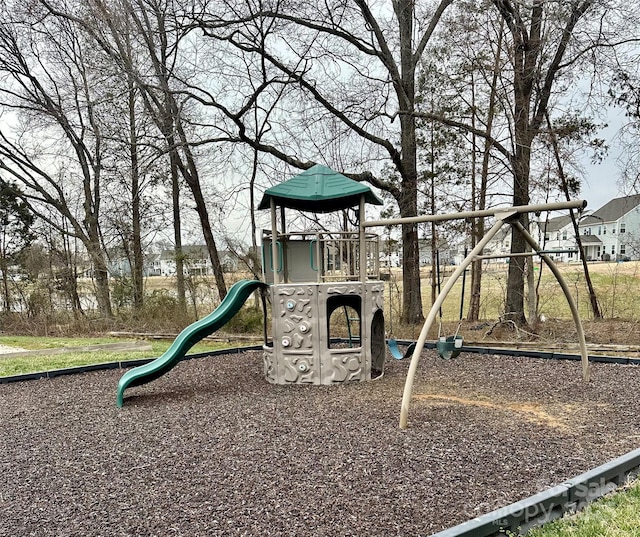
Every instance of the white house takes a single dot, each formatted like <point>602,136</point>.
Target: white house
<point>610,233</point>
<point>445,252</point>
<point>613,231</point>
<point>196,261</point>
<point>559,239</point>
<point>500,244</point>
<point>448,254</point>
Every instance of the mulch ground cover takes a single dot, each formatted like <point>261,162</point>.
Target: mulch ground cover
<point>212,449</point>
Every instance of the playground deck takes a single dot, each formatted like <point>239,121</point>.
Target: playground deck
<point>212,449</point>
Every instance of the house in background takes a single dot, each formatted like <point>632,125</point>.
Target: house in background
<point>445,252</point>
<point>152,265</point>
<point>559,239</point>
<point>449,254</point>
<point>196,261</point>
<point>613,231</point>
<point>500,244</point>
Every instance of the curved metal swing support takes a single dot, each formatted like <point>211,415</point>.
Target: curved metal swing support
<point>502,218</point>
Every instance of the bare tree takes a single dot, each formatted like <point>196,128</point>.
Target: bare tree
<point>545,42</point>
<point>47,83</point>
<point>374,52</point>
<point>160,30</point>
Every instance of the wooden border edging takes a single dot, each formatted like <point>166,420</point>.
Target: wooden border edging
<point>572,495</point>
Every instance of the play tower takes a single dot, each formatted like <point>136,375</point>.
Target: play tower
<point>324,285</point>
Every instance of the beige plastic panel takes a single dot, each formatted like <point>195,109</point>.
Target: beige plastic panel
<point>300,352</point>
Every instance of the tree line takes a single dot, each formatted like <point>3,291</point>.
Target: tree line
<point>122,118</point>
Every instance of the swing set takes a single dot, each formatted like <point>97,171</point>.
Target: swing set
<point>450,346</point>
<point>504,215</point>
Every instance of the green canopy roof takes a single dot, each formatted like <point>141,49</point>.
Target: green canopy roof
<point>320,190</point>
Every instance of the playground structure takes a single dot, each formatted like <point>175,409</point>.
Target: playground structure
<point>317,279</point>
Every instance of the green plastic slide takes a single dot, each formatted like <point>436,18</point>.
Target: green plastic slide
<point>236,297</point>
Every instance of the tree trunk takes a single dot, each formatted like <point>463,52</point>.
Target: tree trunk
<point>478,224</point>
<point>514,305</point>
<point>177,233</point>
<point>6,300</point>
<point>408,203</point>
<point>411,294</point>
<point>209,240</point>
<point>532,291</point>
<point>190,173</point>
<point>478,231</point>
<point>521,163</point>
<point>564,186</point>
<point>137,270</point>
<point>92,241</point>
<point>71,285</point>
<point>434,277</point>
<point>533,81</point>
<point>100,278</point>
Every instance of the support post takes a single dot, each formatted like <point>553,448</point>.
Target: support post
<point>415,358</point>
<point>363,243</point>
<point>274,239</point>
<point>567,293</point>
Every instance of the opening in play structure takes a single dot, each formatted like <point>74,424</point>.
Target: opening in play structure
<point>343,321</point>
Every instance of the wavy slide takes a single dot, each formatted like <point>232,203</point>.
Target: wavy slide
<point>236,297</point>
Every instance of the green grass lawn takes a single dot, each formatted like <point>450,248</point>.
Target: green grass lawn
<point>617,287</point>
<point>31,364</point>
<point>617,515</point>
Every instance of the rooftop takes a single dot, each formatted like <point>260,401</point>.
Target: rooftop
<point>320,190</point>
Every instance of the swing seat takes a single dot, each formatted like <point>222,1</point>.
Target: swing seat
<point>410,349</point>
<point>396,352</point>
<point>394,349</point>
<point>449,347</point>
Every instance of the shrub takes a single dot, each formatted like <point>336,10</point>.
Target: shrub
<point>247,321</point>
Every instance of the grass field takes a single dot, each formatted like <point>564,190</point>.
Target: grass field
<point>617,515</point>
<point>617,286</point>
<point>30,364</point>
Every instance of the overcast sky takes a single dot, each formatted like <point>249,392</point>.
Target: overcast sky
<point>601,182</point>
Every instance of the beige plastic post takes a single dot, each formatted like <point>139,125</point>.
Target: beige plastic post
<point>567,293</point>
<point>415,358</point>
<point>557,206</point>
<point>274,239</point>
<point>363,244</point>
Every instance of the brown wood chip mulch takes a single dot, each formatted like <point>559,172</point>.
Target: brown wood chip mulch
<point>211,449</point>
